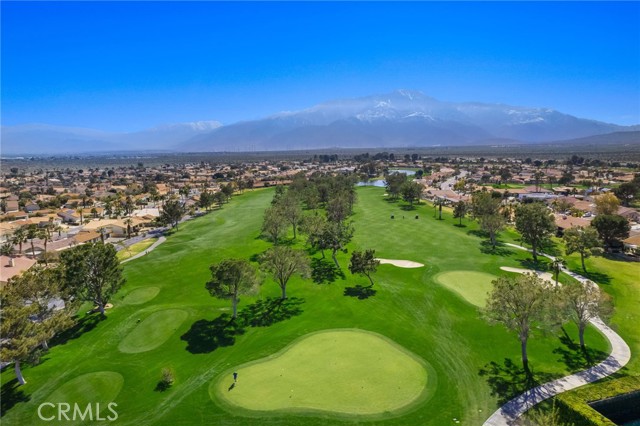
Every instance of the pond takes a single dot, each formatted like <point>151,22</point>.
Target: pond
<point>623,410</point>
<point>380,183</point>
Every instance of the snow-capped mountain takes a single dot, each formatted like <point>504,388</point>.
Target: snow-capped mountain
<point>402,118</point>
<point>397,119</point>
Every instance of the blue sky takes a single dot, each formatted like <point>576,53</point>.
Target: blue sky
<point>123,66</point>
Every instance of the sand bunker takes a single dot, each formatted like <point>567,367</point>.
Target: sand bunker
<point>544,275</point>
<point>401,263</point>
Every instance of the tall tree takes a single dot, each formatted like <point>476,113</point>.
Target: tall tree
<point>227,190</point>
<point>274,224</point>
<point>92,272</point>
<point>19,237</point>
<point>460,210</point>
<point>583,303</point>
<point>230,279</point>
<point>611,228</point>
<point>338,208</point>
<point>314,227</point>
<point>335,237</point>
<point>411,192</point>
<point>290,205</point>
<point>536,224</point>
<point>556,266</point>
<point>32,234</point>
<point>519,303</point>
<point>43,288</point>
<point>172,212</point>
<point>584,241</point>
<point>283,263</point>
<point>21,336</point>
<point>606,204</point>
<point>45,237</point>
<point>128,221</point>
<point>492,225</point>
<point>627,191</point>
<point>393,184</point>
<point>364,263</point>
<point>486,209</point>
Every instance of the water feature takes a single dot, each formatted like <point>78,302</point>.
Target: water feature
<point>623,410</point>
<point>380,183</point>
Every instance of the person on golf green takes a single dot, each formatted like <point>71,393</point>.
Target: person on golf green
<point>235,376</point>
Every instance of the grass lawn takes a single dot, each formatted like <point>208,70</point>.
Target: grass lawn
<point>471,286</point>
<point>473,365</point>
<point>344,371</point>
<point>136,248</point>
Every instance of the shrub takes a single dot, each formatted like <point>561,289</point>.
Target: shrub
<point>166,381</point>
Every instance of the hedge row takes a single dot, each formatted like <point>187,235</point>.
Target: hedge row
<point>574,406</point>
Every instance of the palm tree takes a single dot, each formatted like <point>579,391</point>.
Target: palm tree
<point>32,234</point>
<point>45,237</point>
<point>556,266</point>
<point>128,221</point>
<point>19,237</point>
<point>6,249</point>
<point>102,231</point>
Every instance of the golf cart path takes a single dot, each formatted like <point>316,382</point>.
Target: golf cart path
<point>161,240</point>
<point>619,357</point>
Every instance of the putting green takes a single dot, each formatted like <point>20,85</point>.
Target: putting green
<point>101,387</point>
<point>141,295</point>
<point>153,331</point>
<point>470,285</point>
<point>346,371</point>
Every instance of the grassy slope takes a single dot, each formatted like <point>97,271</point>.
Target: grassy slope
<point>409,307</point>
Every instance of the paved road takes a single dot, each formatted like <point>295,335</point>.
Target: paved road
<point>619,357</point>
<point>448,184</point>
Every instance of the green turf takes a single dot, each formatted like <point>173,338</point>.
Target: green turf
<point>141,295</point>
<point>153,331</point>
<point>470,285</point>
<point>100,388</point>
<point>136,248</point>
<point>343,371</point>
<point>409,307</point>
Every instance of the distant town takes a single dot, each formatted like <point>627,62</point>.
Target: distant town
<point>45,211</point>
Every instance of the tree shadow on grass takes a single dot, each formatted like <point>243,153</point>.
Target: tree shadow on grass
<point>500,249</point>
<point>325,271</point>
<point>162,386</point>
<point>360,292</point>
<point>407,207</point>
<point>206,336</point>
<point>10,395</point>
<point>575,357</point>
<point>509,380</point>
<point>264,313</point>
<point>597,277</point>
<point>83,325</point>
<point>531,264</point>
<point>459,225</point>
<point>478,233</point>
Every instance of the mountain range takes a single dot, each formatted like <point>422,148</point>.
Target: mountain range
<point>402,118</point>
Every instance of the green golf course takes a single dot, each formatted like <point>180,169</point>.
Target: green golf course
<point>337,371</point>
<point>415,343</point>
